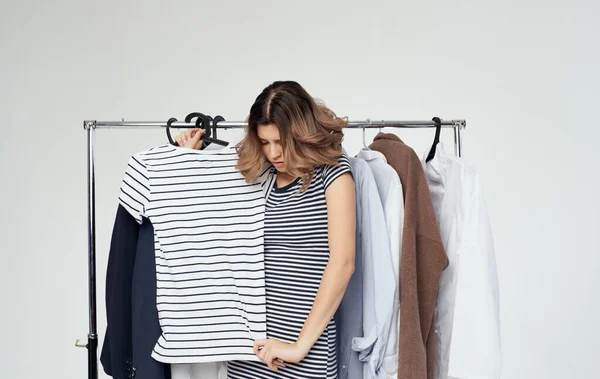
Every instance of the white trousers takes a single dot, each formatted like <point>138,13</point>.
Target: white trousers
<point>213,370</point>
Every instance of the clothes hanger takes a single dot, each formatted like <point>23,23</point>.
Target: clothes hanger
<point>216,120</point>
<point>187,119</point>
<point>213,128</point>
<point>171,121</point>
<point>436,139</point>
<point>200,117</point>
<point>204,122</point>
<point>364,140</point>
<point>209,129</point>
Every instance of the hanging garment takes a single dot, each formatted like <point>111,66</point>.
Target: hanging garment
<point>132,320</point>
<point>145,327</point>
<point>208,224</point>
<point>379,283</point>
<point>349,315</point>
<point>392,199</point>
<point>467,319</point>
<point>422,261</point>
<point>296,254</point>
<point>212,370</point>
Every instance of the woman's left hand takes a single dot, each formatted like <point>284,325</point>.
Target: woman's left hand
<point>270,350</point>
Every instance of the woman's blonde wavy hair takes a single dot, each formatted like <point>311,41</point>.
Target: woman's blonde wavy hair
<point>310,133</point>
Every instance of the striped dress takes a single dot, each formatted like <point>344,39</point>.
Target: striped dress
<point>296,253</point>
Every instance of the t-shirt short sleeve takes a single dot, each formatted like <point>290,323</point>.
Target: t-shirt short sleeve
<point>135,188</point>
<point>331,173</point>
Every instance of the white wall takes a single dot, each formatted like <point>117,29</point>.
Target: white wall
<point>523,73</point>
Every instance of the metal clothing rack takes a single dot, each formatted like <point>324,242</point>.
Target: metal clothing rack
<point>92,125</point>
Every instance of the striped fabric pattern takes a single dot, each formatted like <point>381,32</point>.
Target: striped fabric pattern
<point>296,254</point>
<point>209,244</point>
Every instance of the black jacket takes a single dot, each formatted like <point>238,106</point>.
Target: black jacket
<point>132,318</point>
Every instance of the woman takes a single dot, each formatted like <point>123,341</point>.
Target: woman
<point>293,145</point>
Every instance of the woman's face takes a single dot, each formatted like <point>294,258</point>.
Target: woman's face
<point>271,145</point>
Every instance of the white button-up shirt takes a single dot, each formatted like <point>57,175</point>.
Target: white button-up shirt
<point>467,321</point>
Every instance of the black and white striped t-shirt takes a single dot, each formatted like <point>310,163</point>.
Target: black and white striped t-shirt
<point>209,239</point>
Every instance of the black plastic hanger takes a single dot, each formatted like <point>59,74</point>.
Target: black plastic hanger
<point>204,122</point>
<point>171,121</point>
<point>200,119</point>
<point>436,139</point>
<point>216,120</point>
<point>214,124</point>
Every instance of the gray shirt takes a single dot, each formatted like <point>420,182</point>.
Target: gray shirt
<point>349,317</point>
<point>366,310</point>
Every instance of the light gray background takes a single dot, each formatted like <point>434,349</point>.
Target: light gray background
<point>523,73</point>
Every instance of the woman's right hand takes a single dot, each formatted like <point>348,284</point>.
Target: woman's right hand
<point>191,138</point>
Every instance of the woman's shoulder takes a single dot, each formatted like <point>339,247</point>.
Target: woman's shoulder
<point>342,162</point>
<point>331,172</point>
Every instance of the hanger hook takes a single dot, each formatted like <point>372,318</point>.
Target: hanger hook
<point>436,139</point>
<point>215,121</point>
<point>171,121</point>
<point>203,122</point>
<point>364,133</point>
